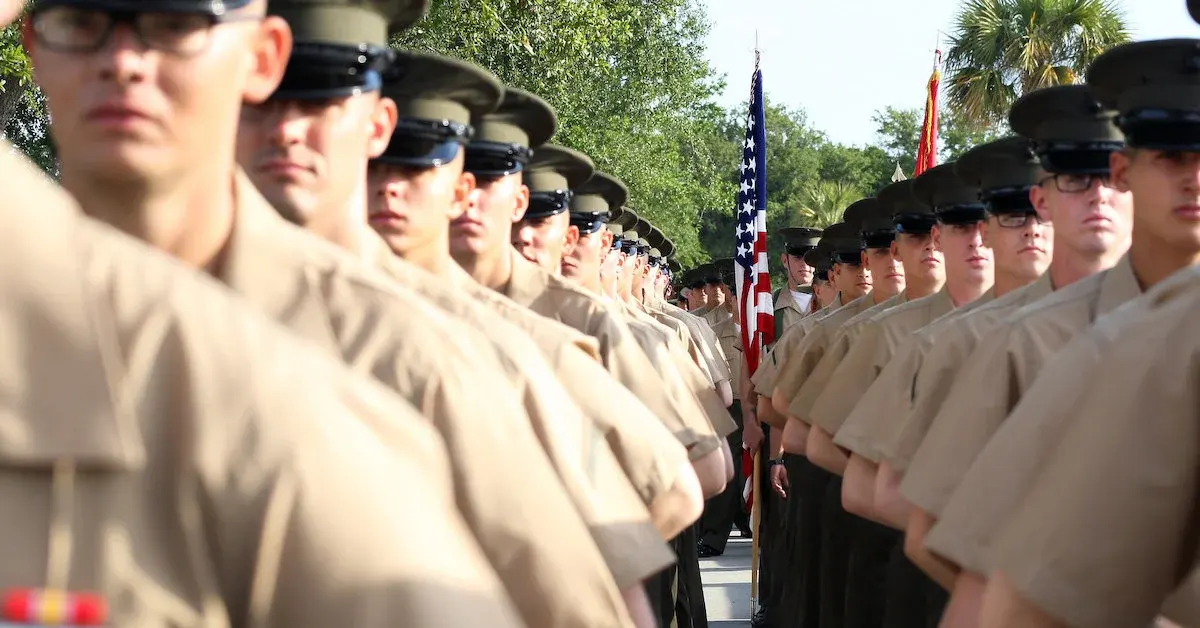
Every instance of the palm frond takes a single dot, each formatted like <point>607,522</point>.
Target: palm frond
<point>1001,49</point>
<point>822,203</point>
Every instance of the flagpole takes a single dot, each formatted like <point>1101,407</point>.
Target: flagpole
<point>755,520</point>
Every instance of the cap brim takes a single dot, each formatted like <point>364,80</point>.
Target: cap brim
<point>542,207</point>
<point>485,163</point>
<point>1092,160</point>
<point>915,224</point>
<point>493,173</point>
<point>421,152</point>
<point>962,216</point>
<point>314,86</point>
<point>321,71</point>
<point>588,225</point>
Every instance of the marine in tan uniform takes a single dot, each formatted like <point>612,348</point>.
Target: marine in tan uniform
<point>715,311</point>
<point>804,515</point>
<point>791,304</point>
<point>697,299</point>
<point>677,595</point>
<point>700,347</point>
<point>887,280</point>
<point>797,242</point>
<point>651,457</point>
<point>968,275</point>
<point>1159,170</point>
<point>823,291</point>
<point>1144,517</point>
<point>679,368</point>
<point>1004,172</point>
<point>607,502</point>
<point>924,274</point>
<point>815,541</point>
<point>728,510</point>
<point>542,235</point>
<point>212,218</point>
<point>1073,139</point>
<point>118,490</point>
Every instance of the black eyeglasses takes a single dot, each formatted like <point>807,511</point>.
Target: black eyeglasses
<point>74,30</point>
<point>1017,220</point>
<point>1069,183</point>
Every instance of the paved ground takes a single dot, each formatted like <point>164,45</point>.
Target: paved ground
<point>727,586</point>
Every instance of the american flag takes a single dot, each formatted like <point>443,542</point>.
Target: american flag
<point>753,279</point>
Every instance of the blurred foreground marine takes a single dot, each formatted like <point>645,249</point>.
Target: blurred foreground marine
<point>203,468</point>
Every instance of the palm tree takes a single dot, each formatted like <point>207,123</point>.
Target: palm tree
<point>822,203</point>
<point>1002,49</point>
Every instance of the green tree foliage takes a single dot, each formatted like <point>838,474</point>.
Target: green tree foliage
<point>1001,49</point>
<point>630,84</point>
<point>16,74</point>
<point>898,131</point>
<point>23,118</point>
<point>823,202</point>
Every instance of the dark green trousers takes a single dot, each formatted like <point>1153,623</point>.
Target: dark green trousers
<point>801,607</point>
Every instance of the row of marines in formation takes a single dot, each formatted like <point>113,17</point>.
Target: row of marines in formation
<point>987,416</point>
<point>389,359</point>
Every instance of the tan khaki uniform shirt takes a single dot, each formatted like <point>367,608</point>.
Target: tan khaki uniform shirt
<point>799,363</point>
<point>788,309</point>
<point>679,334</point>
<point>557,299</point>
<point>196,463</point>
<point>505,485</point>
<point>648,453</point>
<point>766,378</point>
<point>1106,526</point>
<point>945,356</point>
<point>616,516</point>
<point>678,369</point>
<point>874,350</point>
<point>705,336</point>
<point>714,314</point>
<point>729,334</point>
<point>768,373</point>
<point>873,420</point>
<point>832,346</point>
<point>997,374</point>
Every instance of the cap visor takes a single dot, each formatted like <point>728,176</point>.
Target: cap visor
<point>313,76</point>
<point>406,150</point>
<point>962,216</point>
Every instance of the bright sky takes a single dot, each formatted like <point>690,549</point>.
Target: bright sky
<point>841,60</point>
